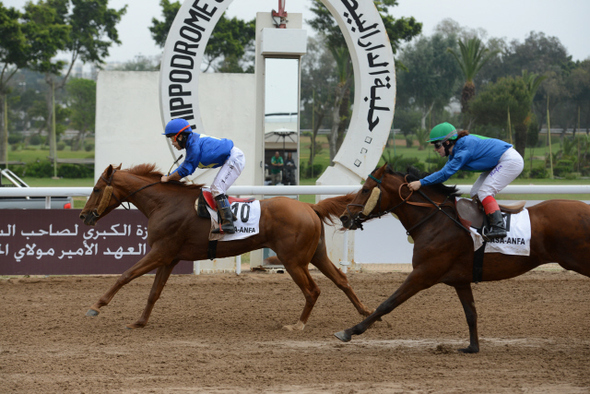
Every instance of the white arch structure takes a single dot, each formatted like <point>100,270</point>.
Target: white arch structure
<point>374,74</point>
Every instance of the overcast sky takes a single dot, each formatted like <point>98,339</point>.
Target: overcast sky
<point>511,19</point>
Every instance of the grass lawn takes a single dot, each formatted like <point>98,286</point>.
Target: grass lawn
<point>34,153</point>
<point>534,159</point>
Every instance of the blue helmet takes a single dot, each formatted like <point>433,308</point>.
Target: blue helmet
<point>176,126</point>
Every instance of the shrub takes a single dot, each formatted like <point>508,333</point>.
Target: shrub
<point>538,173</point>
<point>75,171</point>
<point>563,167</point>
<point>311,172</point>
<point>19,170</point>
<point>88,146</point>
<point>39,169</point>
<point>401,163</point>
<point>35,139</point>
<point>15,138</point>
<point>61,146</point>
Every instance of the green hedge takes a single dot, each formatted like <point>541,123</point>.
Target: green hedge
<point>44,169</point>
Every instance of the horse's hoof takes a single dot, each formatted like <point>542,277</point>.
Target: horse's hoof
<point>299,326</point>
<point>343,336</point>
<point>469,350</point>
<point>92,312</point>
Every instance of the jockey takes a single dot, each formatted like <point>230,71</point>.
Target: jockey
<point>498,160</point>
<point>203,151</point>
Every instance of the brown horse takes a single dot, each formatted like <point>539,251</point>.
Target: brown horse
<point>444,250</point>
<point>293,229</point>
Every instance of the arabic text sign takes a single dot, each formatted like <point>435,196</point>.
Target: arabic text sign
<point>56,242</point>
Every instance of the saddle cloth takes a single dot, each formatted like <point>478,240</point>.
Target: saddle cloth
<point>517,241</point>
<point>247,212</point>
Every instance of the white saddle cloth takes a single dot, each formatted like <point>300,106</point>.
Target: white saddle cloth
<point>518,240</point>
<point>247,225</point>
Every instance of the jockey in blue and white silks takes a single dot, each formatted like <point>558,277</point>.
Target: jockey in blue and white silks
<point>203,151</point>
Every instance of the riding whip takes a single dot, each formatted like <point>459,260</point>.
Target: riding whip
<point>177,160</point>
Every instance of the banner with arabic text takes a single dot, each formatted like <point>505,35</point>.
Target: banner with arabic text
<point>57,242</point>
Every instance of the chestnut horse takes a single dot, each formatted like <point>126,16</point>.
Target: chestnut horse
<point>293,229</point>
<point>444,250</point>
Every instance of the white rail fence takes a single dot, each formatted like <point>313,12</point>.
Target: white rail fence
<point>388,228</point>
<point>289,190</point>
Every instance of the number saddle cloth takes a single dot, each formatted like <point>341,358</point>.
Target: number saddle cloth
<point>517,221</point>
<point>246,213</point>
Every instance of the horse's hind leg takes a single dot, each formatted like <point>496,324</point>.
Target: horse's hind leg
<point>466,297</point>
<point>310,289</point>
<point>162,275</point>
<point>321,261</point>
<point>414,283</point>
<point>146,264</point>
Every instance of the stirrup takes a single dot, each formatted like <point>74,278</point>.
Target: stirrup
<point>228,228</point>
<point>488,234</point>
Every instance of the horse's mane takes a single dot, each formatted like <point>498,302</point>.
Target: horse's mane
<point>414,174</point>
<point>150,171</point>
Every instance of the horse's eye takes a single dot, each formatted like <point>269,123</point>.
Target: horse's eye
<point>96,190</point>
<point>365,191</point>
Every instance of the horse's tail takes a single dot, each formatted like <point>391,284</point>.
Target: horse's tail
<point>330,209</point>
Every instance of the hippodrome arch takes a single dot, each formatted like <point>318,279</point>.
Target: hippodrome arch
<point>374,75</point>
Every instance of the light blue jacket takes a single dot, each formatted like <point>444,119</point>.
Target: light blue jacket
<point>204,151</point>
<point>471,153</point>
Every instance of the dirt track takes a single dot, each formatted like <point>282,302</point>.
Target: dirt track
<point>222,334</point>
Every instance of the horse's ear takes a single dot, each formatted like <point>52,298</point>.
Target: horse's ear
<point>119,167</point>
<point>109,170</point>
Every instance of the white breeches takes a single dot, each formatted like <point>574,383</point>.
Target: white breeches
<point>229,172</point>
<point>492,182</point>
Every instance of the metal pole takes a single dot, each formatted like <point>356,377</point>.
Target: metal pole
<point>53,131</point>
<point>345,263</point>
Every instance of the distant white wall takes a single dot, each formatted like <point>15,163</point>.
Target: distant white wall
<point>129,126</point>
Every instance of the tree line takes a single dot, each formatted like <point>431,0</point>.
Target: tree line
<point>493,87</point>
<point>32,39</point>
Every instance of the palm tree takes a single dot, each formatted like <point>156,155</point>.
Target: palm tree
<point>472,58</point>
<point>533,81</point>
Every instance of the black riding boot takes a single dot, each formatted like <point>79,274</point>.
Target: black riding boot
<point>496,227</point>
<point>226,215</point>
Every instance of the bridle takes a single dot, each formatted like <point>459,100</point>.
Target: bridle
<point>361,217</point>
<point>108,194</point>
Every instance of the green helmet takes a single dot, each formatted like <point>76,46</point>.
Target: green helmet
<point>443,132</point>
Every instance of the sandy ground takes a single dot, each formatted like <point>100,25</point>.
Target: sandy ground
<point>223,333</point>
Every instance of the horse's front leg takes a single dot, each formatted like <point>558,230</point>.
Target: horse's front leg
<point>414,283</point>
<point>149,262</point>
<point>162,275</point>
<point>466,297</point>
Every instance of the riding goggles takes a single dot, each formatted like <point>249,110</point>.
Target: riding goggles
<point>177,134</point>
<point>437,144</point>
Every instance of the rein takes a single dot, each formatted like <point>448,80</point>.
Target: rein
<point>438,206</point>
<point>108,193</point>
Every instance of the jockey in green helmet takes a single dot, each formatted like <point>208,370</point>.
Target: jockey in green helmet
<point>498,160</point>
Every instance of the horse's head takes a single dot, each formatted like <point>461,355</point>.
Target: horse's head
<point>369,202</point>
<point>98,204</point>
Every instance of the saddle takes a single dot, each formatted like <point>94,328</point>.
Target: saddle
<point>471,212</point>
<point>206,199</point>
